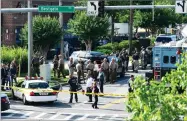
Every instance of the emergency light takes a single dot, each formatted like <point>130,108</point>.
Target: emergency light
<point>178,52</point>
<point>33,78</point>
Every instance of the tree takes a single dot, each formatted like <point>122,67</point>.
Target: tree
<point>88,28</point>
<point>46,33</point>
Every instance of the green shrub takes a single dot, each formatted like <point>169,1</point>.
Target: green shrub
<point>20,54</point>
<point>109,48</point>
<point>153,40</point>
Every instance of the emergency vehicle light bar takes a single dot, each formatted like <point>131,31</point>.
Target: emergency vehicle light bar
<point>33,78</point>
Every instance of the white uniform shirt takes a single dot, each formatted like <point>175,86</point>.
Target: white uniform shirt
<point>89,82</point>
<point>96,67</point>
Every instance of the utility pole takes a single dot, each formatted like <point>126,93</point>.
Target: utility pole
<point>61,25</point>
<point>130,28</point>
<point>30,38</point>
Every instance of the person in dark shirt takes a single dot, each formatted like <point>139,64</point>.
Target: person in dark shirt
<point>73,88</point>
<point>95,91</point>
<point>3,77</point>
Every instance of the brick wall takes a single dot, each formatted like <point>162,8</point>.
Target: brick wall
<point>11,21</point>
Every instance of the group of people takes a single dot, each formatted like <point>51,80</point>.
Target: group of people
<point>8,75</point>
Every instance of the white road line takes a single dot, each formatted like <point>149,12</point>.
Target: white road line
<point>69,117</point>
<point>114,117</point>
<point>27,114</point>
<point>84,117</point>
<point>40,115</point>
<point>98,118</point>
<point>55,116</point>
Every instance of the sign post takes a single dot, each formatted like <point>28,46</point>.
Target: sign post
<point>57,9</point>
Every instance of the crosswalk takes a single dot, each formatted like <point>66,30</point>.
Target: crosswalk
<point>33,115</point>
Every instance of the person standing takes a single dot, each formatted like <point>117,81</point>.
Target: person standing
<point>55,65</point>
<point>95,91</point>
<point>90,67</point>
<point>130,83</point>
<point>61,67</point>
<point>3,77</point>
<point>82,70</point>
<point>89,84</point>
<point>101,80</point>
<point>96,68</point>
<point>71,66</point>
<point>78,68</point>
<point>73,88</point>
<point>36,66</point>
<point>126,60</point>
<point>136,62</point>
<point>113,70</point>
<point>105,68</point>
<point>13,70</point>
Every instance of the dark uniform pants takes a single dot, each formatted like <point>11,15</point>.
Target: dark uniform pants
<point>96,101</point>
<point>79,76</point>
<point>61,70</point>
<point>101,86</point>
<point>71,96</point>
<point>36,70</point>
<point>113,76</point>
<point>89,90</point>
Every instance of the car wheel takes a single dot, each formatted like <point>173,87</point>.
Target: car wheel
<point>25,102</point>
<point>13,96</point>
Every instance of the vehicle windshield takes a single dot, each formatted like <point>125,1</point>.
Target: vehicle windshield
<point>37,85</point>
<point>163,39</point>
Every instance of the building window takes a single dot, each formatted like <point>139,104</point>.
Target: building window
<point>173,59</point>
<point>166,59</point>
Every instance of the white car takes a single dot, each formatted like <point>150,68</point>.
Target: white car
<point>34,91</point>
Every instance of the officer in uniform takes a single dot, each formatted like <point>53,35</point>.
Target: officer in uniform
<point>79,71</point>
<point>82,70</point>
<point>126,60</point>
<point>73,88</point>
<point>143,57</point>
<point>105,68</point>
<point>36,66</point>
<point>60,66</point>
<point>90,67</point>
<point>71,65</point>
<point>136,61</point>
<point>55,65</point>
<point>113,70</point>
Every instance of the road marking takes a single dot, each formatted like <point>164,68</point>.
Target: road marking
<point>84,117</point>
<point>40,115</point>
<point>98,118</point>
<point>69,117</point>
<point>114,117</point>
<point>112,103</point>
<point>55,116</point>
<point>27,114</point>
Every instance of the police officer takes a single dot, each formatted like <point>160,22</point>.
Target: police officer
<point>36,65</point>
<point>130,83</point>
<point>96,91</point>
<point>105,68</point>
<point>136,61</point>
<point>126,60</point>
<point>79,69</point>
<point>143,57</point>
<point>55,65</point>
<point>113,70</point>
<point>82,70</point>
<point>71,65</point>
<point>60,66</point>
<point>90,67</point>
<point>3,77</point>
<point>73,88</point>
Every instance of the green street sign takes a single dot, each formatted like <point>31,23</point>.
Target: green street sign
<point>56,9</point>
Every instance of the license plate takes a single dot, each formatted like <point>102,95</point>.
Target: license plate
<point>43,93</point>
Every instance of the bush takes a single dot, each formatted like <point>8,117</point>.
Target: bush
<point>20,54</point>
<point>109,48</point>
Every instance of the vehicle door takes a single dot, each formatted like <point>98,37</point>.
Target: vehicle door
<point>17,88</point>
<point>21,90</point>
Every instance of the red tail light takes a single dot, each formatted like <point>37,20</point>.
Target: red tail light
<point>156,73</point>
<point>32,94</point>
<point>178,52</point>
<point>54,93</point>
<point>3,100</point>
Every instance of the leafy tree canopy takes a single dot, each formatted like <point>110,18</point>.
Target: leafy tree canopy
<point>46,33</point>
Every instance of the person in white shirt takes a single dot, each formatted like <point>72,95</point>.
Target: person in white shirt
<point>96,68</point>
<point>89,85</point>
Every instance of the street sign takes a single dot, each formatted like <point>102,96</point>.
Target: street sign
<point>181,6</point>
<point>92,8</point>
<point>57,9</point>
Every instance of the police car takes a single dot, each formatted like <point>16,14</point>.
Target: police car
<point>34,89</point>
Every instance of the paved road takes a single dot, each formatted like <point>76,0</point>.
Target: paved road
<point>110,108</point>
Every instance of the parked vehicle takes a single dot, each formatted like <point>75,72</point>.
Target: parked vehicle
<point>5,103</point>
<point>34,89</point>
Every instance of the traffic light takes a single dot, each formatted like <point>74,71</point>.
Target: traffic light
<point>101,9</point>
